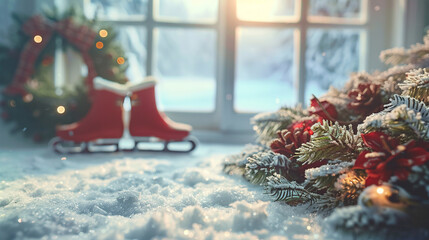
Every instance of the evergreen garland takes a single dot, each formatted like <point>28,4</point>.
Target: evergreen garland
<point>349,153</point>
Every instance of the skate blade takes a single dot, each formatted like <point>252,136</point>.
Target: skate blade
<point>142,144</point>
<point>98,146</point>
<point>152,144</point>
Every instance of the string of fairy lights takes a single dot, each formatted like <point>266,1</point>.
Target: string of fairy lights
<point>103,33</point>
<point>41,89</point>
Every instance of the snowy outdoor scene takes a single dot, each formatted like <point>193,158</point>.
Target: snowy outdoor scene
<point>214,119</point>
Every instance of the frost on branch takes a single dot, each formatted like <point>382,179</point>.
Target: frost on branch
<point>399,56</point>
<point>267,124</point>
<point>290,192</point>
<point>416,85</point>
<point>264,164</point>
<point>328,170</point>
<point>359,218</point>
<point>235,164</point>
<point>411,103</point>
<point>401,121</point>
<point>330,141</point>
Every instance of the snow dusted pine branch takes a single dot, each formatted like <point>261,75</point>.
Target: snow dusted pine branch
<point>330,141</point>
<point>410,103</point>
<point>401,121</point>
<point>399,56</point>
<point>267,124</point>
<point>288,191</point>
<point>265,164</point>
<point>416,85</point>
<point>235,164</point>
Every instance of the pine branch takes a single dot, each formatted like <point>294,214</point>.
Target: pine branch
<point>415,54</point>
<point>325,177</point>
<point>416,85</point>
<point>235,164</point>
<point>411,103</point>
<point>401,122</point>
<point>330,141</point>
<point>290,192</point>
<point>266,125</point>
<point>262,165</point>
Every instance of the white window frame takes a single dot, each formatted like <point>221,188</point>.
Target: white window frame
<point>225,118</point>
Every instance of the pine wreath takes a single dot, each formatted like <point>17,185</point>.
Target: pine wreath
<point>31,100</point>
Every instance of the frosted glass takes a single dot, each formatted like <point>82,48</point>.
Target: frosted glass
<point>185,61</point>
<point>335,8</point>
<point>330,57</point>
<point>187,10</point>
<point>116,9</point>
<point>265,10</point>
<point>133,42</point>
<point>264,69</point>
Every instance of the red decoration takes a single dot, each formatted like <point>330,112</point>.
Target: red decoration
<point>323,109</point>
<point>292,138</point>
<point>389,158</point>
<point>81,37</point>
<point>5,115</point>
<point>366,99</point>
<point>47,61</point>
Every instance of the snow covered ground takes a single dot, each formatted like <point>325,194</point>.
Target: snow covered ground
<point>140,196</point>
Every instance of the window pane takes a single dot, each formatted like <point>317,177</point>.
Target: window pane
<point>264,69</point>
<point>331,56</point>
<point>265,10</point>
<point>335,8</point>
<point>185,63</point>
<point>133,41</point>
<point>116,9</point>
<point>187,10</point>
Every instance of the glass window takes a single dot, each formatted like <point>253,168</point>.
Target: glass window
<point>185,66</point>
<point>264,69</point>
<point>331,55</point>
<point>186,10</point>
<point>265,10</point>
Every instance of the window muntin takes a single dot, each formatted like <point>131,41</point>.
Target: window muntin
<point>227,82</point>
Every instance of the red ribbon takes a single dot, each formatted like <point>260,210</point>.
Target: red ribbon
<point>82,37</point>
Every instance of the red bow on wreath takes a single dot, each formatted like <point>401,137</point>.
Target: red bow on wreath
<point>40,33</point>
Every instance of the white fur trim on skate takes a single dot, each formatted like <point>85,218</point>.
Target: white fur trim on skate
<point>123,89</point>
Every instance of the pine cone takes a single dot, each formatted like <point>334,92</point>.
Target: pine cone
<point>366,99</point>
<point>289,141</point>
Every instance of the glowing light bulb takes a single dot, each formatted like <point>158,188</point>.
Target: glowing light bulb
<point>99,45</point>
<point>38,39</point>
<point>103,33</point>
<point>120,60</point>
<point>28,98</point>
<point>380,190</point>
<point>61,109</point>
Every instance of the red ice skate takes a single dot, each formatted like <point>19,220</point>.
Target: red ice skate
<point>108,124</point>
<point>102,126</point>
<point>147,124</point>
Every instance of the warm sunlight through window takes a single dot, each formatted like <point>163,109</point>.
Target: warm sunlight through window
<point>265,10</point>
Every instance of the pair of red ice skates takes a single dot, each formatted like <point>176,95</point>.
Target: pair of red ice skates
<point>108,123</point>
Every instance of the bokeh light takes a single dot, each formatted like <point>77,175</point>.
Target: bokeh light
<point>99,45</point>
<point>61,109</point>
<point>103,33</point>
<point>120,60</point>
<point>38,39</point>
